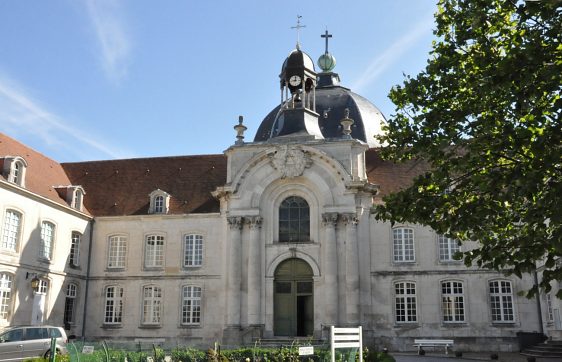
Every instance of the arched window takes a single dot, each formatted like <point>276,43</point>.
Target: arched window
<point>159,204</point>
<point>191,305</point>
<point>403,241</point>
<point>74,257</point>
<point>11,234</point>
<point>452,301</point>
<point>501,301</point>
<point>47,240</point>
<point>117,251</point>
<point>294,220</point>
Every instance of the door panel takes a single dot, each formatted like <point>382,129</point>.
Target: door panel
<point>11,346</point>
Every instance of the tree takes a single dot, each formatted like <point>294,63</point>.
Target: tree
<point>485,116</point>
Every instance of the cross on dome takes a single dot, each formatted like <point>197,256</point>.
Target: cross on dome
<point>298,27</point>
<point>326,35</point>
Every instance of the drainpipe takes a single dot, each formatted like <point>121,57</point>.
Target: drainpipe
<point>538,298</point>
<point>92,222</point>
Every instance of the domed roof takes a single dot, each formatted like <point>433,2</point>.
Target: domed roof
<point>297,59</point>
<point>331,102</point>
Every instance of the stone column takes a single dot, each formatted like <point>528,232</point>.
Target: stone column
<point>351,268</point>
<point>330,266</point>
<point>254,271</point>
<point>234,274</point>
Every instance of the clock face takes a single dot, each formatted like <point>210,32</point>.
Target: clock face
<point>295,80</point>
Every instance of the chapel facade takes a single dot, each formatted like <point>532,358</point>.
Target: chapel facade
<point>275,238</point>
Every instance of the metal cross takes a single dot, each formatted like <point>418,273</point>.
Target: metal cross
<point>326,35</point>
<point>298,27</point>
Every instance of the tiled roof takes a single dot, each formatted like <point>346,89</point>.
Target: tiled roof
<point>122,187</point>
<point>391,176</point>
<point>42,173</point>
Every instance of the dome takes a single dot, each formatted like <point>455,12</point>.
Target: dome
<point>331,102</point>
<point>297,59</point>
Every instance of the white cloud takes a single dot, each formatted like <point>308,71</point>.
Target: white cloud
<point>379,64</point>
<point>19,114</point>
<point>114,41</point>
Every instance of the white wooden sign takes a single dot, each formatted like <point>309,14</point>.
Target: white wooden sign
<point>346,338</point>
<point>306,351</point>
<point>88,349</point>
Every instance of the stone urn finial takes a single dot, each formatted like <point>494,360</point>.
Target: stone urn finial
<point>346,123</point>
<point>240,129</point>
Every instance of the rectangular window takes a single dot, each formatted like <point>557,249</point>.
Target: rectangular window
<point>69,304</point>
<point>117,251</point>
<point>11,233</point>
<point>5,295</point>
<point>191,305</point>
<point>405,302</point>
<point>154,251</point>
<point>549,311</point>
<point>193,250</point>
<point>159,204</point>
<point>403,240</point>
<point>113,305</point>
<point>447,248</point>
<point>74,257</point>
<point>151,305</point>
<point>501,301</point>
<point>452,302</point>
<point>47,238</point>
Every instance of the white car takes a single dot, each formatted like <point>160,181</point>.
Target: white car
<point>19,343</point>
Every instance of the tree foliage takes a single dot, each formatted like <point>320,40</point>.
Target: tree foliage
<point>485,116</point>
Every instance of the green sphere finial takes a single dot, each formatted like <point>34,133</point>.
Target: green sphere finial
<point>327,62</point>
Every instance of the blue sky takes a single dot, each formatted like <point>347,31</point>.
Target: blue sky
<point>90,80</point>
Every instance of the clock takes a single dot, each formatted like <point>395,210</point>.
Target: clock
<point>295,80</point>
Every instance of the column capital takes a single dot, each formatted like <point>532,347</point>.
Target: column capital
<point>330,218</point>
<point>235,222</point>
<point>350,218</point>
<point>254,222</point>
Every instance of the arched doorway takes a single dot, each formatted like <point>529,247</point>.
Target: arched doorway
<point>293,302</point>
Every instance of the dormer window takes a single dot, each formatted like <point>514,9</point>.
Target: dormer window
<point>14,170</point>
<point>73,195</point>
<point>159,202</point>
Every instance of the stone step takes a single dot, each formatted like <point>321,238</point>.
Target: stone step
<point>544,350</point>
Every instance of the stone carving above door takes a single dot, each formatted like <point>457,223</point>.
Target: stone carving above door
<point>290,161</point>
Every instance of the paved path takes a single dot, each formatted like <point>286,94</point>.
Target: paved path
<point>467,357</point>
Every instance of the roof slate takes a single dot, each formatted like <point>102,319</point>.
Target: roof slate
<point>42,174</point>
<point>122,187</point>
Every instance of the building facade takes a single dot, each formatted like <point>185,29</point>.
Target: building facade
<point>274,238</point>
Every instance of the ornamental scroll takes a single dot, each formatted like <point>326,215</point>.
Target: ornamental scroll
<point>290,161</point>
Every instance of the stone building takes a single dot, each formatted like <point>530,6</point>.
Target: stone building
<point>273,238</point>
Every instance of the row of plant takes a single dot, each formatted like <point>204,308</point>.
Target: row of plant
<point>281,354</point>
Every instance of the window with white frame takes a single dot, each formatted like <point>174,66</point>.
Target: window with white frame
<point>117,251</point>
<point>403,241</point>
<point>501,301</point>
<point>74,256</point>
<point>549,310</point>
<point>11,233</point>
<point>448,247</point>
<point>154,251</point>
<point>70,303</point>
<point>294,220</point>
<point>113,305</point>
<point>405,302</point>
<point>193,250</point>
<point>42,286</point>
<point>5,295</point>
<point>151,305</point>
<point>78,198</point>
<point>191,305</point>
<point>47,240</point>
<point>159,202</point>
<point>14,169</point>
<point>452,301</point>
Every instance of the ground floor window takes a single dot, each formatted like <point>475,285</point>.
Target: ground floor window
<point>405,302</point>
<point>191,305</point>
<point>501,301</point>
